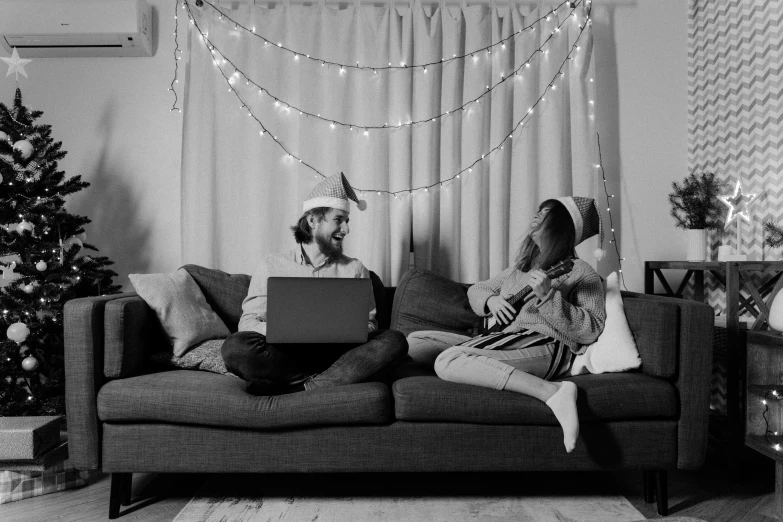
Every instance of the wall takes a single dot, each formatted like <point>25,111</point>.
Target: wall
<point>114,120</point>
<point>113,117</point>
<point>642,114</point>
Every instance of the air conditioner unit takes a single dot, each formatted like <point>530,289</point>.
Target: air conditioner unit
<point>76,28</point>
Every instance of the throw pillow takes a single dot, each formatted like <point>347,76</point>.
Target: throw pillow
<point>205,357</point>
<point>615,349</point>
<point>181,308</point>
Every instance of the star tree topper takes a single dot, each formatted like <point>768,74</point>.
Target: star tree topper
<point>738,204</point>
<point>16,64</point>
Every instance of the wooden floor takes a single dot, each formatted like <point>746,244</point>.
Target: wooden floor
<point>709,493</point>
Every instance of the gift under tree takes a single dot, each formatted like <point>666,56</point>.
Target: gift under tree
<point>45,263</point>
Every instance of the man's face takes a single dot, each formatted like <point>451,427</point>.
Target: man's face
<point>330,232</point>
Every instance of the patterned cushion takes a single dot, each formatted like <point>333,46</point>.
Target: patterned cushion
<point>205,356</point>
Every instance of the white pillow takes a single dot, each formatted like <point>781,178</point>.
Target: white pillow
<point>181,307</point>
<point>615,349</point>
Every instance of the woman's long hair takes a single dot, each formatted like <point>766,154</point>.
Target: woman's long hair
<point>556,238</point>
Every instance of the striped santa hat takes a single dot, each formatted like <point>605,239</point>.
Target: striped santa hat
<point>333,192</point>
<point>587,221</point>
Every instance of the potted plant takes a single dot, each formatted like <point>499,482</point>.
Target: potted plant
<point>695,208</point>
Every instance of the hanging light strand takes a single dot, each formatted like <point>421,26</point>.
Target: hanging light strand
<point>360,126</point>
<point>176,56</point>
<point>357,66</point>
<point>609,210</point>
<point>425,188</point>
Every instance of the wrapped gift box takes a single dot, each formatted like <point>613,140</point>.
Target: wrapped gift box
<point>27,438</point>
<point>18,485</point>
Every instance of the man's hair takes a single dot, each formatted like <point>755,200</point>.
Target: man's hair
<point>302,231</point>
<point>557,239</point>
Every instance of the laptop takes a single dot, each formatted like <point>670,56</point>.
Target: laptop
<point>317,310</point>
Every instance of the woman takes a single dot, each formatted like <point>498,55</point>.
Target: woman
<point>554,323</point>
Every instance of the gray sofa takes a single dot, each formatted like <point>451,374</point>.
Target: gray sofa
<point>125,415</point>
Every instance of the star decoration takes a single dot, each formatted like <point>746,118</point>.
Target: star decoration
<point>16,64</point>
<point>738,204</point>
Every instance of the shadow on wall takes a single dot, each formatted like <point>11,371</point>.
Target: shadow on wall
<point>608,125</point>
<point>117,229</point>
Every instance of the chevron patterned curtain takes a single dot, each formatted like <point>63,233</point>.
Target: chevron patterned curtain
<point>735,98</point>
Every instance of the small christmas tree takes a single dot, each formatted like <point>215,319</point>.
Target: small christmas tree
<point>774,234</point>
<point>694,202</point>
<point>42,256</point>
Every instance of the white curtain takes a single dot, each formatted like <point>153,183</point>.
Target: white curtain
<point>241,191</point>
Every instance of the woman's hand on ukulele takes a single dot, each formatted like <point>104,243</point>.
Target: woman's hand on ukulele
<point>501,310</point>
<point>539,282</point>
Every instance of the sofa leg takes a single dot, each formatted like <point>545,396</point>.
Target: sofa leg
<point>649,486</point>
<point>662,492</point>
<point>120,493</point>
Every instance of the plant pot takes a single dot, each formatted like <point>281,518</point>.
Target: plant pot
<point>697,244</point>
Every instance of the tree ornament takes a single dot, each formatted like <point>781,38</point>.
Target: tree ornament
<point>41,266</point>
<point>71,242</point>
<point>24,226</point>
<point>16,64</point>
<point>82,236</point>
<point>25,148</point>
<point>18,332</point>
<point>29,363</point>
<point>4,136</point>
<point>28,288</point>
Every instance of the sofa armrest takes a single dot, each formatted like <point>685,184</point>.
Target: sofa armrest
<point>132,333</point>
<point>693,375</point>
<point>84,358</point>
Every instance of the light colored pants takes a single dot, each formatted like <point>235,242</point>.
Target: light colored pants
<point>487,368</point>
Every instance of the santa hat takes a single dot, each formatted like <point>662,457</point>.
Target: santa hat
<point>587,220</point>
<point>333,192</point>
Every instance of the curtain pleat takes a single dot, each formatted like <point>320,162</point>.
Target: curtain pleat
<point>241,191</point>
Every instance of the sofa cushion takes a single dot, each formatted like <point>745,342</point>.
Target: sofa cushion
<point>181,308</point>
<point>425,300</point>
<point>201,398</point>
<point>224,292</point>
<point>656,328</point>
<point>606,397</point>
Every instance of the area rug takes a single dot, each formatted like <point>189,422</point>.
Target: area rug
<point>501,508</point>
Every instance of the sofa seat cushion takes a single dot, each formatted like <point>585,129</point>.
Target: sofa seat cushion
<point>606,397</point>
<point>201,398</point>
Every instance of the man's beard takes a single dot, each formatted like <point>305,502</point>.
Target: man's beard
<point>324,242</point>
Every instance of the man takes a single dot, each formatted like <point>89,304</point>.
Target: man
<point>319,233</point>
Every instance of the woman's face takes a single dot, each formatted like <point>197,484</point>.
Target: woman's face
<point>536,224</point>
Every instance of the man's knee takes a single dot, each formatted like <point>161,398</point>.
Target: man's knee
<point>396,343</point>
<point>241,346</point>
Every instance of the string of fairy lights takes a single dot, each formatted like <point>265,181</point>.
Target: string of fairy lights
<point>220,60</point>
<point>238,74</point>
<point>771,395</point>
<point>609,197</point>
<point>177,57</point>
<point>552,85</point>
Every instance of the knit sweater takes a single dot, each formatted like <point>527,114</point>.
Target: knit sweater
<point>573,311</point>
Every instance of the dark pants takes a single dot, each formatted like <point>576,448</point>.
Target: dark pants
<point>278,368</point>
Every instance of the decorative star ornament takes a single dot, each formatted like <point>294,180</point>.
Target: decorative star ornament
<point>16,64</point>
<point>738,204</point>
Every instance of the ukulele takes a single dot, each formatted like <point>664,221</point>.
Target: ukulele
<point>517,300</point>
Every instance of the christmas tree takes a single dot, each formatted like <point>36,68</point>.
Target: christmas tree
<point>42,255</point>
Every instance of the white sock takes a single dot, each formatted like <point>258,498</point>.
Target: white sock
<point>563,404</point>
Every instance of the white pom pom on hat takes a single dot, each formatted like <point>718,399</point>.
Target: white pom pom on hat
<point>333,192</point>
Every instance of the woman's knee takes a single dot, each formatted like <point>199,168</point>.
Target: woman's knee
<point>444,364</point>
